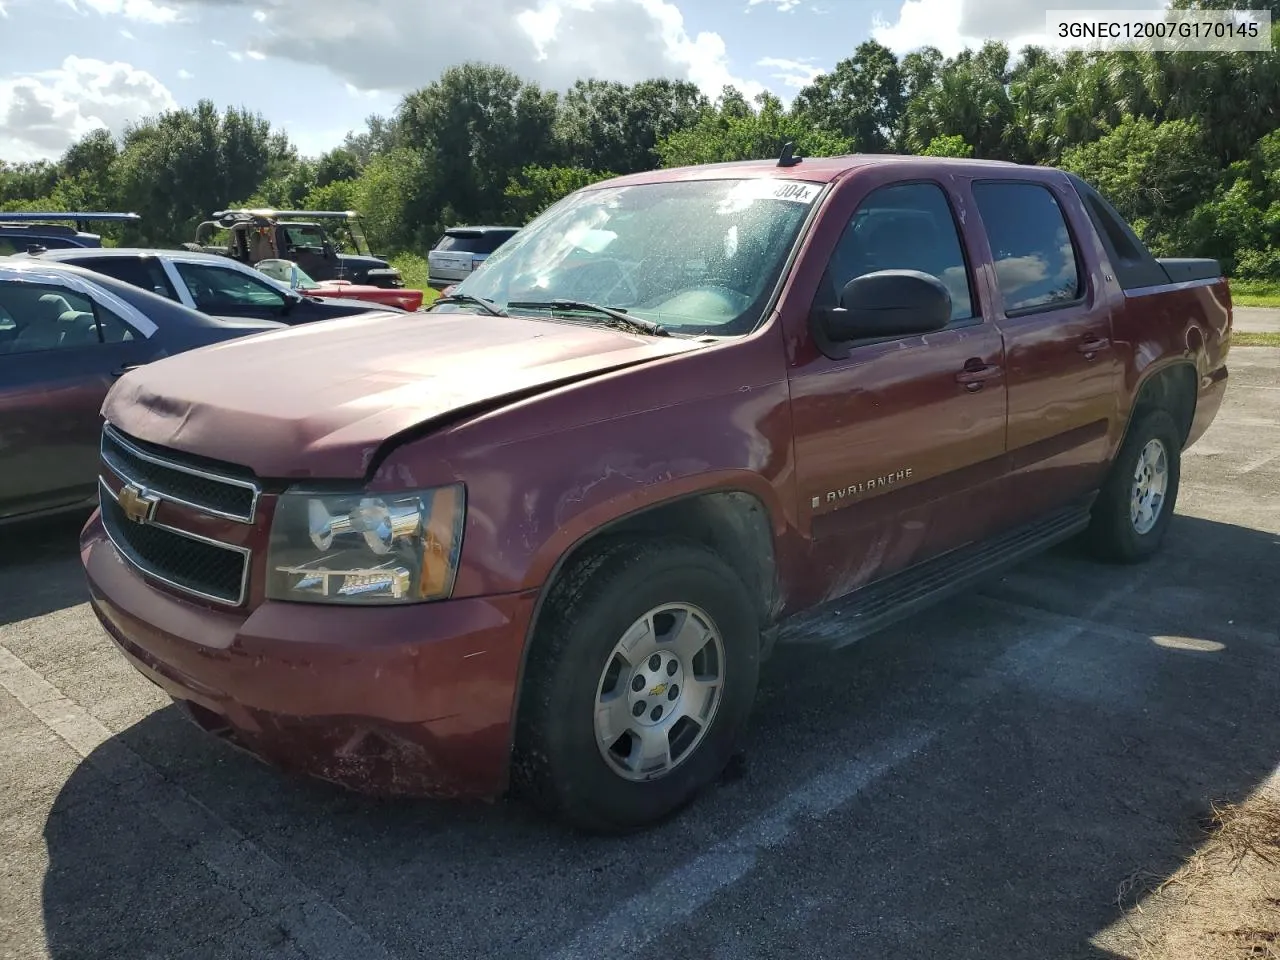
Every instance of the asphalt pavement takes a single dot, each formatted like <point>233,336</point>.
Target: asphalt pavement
<point>1256,319</point>
<point>981,781</point>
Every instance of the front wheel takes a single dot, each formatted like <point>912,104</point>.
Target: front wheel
<point>1135,505</point>
<point>641,677</point>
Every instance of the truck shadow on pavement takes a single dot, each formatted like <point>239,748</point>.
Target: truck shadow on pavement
<point>40,567</point>
<point>979,781</point>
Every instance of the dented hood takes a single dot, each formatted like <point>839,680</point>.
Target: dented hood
<point>318,400</point>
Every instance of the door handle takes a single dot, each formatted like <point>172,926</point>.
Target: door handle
<point>976,373</point>
<point>1093,345</point>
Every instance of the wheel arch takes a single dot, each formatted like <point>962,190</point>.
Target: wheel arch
<point>734,522</point>
<point>1172,387</point>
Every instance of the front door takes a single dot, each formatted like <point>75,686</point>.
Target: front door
<point>227,292</point>
<point>899,444</point>
<point>1063,370</point>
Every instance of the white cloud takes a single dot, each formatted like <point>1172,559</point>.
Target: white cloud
<point>260,15</point>
<point>127,35</point>
<point>255,55</point>
<point>792,73</point>
<point>953,25</point>
<point>44,113</point>
<point>398,45</point>
<point>185,75</point>
<point>144,11</point>
<point>236,55</point>
<point>4,13</point>
<point>785,6</point>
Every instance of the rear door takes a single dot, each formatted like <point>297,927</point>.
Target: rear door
<point>1063,371</point>
<point>60,352</point>
<point>899,444</point>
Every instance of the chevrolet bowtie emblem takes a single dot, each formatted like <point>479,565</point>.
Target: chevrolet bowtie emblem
<point>137,503</point>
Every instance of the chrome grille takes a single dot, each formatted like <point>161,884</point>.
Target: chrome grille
<point>186,561</point>
<point>214,492</point>
<point>208,569</point>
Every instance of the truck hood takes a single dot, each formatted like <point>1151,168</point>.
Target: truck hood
<point>359,264</point>
<point>319,400</point>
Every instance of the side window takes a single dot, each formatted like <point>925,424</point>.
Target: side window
<point>114,329</point>
<point>907,226</point>
<point>217,288</point>
<point>36,318</point>
<point>1035,258</point>
<point>146,273</point>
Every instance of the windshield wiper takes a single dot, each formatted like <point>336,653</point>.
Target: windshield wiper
<point>484,305</point>
<point>620,317</point>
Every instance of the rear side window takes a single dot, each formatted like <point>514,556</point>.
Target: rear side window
<point>145,273</point>
<point>482,243</point>
<point>35,318</point>
<point>1035,259</point>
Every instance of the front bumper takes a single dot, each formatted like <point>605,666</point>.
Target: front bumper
<point>412,700</point>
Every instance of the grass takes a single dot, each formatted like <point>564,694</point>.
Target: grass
<point>1239,339</point>
<point>1255,293</point>
<point>414,270</point>
<point>1224,901</point>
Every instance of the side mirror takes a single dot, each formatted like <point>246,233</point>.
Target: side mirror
<point>888,303</point>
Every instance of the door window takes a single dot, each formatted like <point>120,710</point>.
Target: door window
<point>1035,259</point>
<point>216,288</point>
<point>907,226</point>
<point>145,273</point>
<point>36,318</point>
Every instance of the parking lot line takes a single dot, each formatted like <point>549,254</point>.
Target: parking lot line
<point>319,928</point>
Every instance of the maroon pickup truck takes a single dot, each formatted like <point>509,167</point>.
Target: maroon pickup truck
<point>543,536</point>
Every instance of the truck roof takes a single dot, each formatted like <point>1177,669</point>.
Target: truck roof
<point>813,169</point>
<point>62,215</point>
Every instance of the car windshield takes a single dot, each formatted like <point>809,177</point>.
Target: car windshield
<point>699,257</point>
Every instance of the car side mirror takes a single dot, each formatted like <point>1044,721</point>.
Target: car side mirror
<point>888,303</point>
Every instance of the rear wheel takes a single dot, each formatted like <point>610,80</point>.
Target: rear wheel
<point>1134,508</point>
<point>641,677</point>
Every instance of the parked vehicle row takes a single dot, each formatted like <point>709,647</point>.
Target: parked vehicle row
<point>210,283</point>
<point>546,539</point>
<point>251,236</point>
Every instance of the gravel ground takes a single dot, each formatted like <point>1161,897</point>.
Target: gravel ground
<point>977,782</point>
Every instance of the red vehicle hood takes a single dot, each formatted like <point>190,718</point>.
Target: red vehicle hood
<point>318,400</point>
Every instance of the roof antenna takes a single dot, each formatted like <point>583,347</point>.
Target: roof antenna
<point>788,158</point>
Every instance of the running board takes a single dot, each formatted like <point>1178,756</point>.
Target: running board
<point>879,604</point>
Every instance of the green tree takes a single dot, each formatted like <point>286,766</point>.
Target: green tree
<point>537,188</point>
<point>948,146</point>
<point>860,101</point>
<point>1155,174</point>
<point>177,168</point>
<point>725,134</point>
<point>476,127</point>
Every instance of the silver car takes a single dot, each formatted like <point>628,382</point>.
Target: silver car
<point>461,250</point>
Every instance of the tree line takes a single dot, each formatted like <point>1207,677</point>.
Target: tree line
<point>1187,145</point>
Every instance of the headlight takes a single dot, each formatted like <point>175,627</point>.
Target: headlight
<point>365,548</point>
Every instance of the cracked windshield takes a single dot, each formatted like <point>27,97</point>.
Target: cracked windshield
<point>698,257</point>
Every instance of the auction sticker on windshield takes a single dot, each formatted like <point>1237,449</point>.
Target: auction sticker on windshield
<point>747,192</point>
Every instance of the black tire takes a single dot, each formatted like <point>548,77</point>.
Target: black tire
<point>1112,535</point>
<point>557,764</point>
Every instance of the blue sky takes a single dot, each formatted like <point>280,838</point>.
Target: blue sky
<point>319,67</point>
